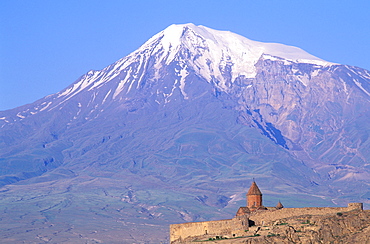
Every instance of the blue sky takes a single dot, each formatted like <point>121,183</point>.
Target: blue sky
<point>46,45</point>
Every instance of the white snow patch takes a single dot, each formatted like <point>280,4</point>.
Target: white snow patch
<point>360,86</point>
<point>356,176</point>
<point>211,51</point>
<point>345,90</point>
<point>367,74</point>
<point>20,116</point>
<point>167,96</point>
<point>46,106</point>
<point>273,58</point>
<point>142,68</point>
<point>81,85</point>
<point>130,86</point>
<point>344,86</point>
<point>315,73</point>
<point>304,79</point>
<point>183,74</point>
<point>93,96</point>
<point>106,96</point>
<point>294,70</point>
<point>122,83</point>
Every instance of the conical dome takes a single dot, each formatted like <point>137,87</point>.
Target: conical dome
<point>254,190</point>
<point>279,205</point>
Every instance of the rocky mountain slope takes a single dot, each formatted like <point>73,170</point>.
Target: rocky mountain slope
<point>175,132</point>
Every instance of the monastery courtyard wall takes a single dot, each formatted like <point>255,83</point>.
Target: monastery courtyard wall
<point>236,227</point>
<point>266,217</point>
<point>226,227</point>
<point>255,214</point>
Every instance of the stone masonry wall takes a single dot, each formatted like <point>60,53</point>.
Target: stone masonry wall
<point>238,225</point>
<point>268,216</point>
<point>226,227</point>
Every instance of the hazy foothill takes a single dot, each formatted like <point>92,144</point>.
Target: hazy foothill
<point>175,132</point>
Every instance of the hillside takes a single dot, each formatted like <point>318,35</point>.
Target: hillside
<point>175,131</point>
<point>348,227</point>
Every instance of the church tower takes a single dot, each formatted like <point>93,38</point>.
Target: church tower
<point>254,198</point>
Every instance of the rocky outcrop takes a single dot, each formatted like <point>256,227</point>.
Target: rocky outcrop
<point>349,227</point>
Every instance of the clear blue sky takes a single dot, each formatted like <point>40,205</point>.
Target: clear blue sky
<point>46,45</point>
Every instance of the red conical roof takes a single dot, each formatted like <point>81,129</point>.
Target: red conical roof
<point>279,205</point>
<point>254,190</point>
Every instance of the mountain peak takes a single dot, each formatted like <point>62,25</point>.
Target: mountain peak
<point>178,118</point>
<point>216,56</point>
<point>212,50</point>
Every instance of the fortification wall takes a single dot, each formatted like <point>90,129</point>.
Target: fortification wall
<point>227,227</point>
<point>238,225</point>
<point>270,215</point>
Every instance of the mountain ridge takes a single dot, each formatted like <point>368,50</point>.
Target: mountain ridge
<point>112,71</point>
<point>170,138</point>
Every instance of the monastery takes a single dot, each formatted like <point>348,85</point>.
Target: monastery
<point>254,214</point>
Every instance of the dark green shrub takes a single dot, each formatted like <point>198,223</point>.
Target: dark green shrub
<point>282,224</point>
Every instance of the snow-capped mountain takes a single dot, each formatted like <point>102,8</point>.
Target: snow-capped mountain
<point>175,131</point>
<point>219,57</point>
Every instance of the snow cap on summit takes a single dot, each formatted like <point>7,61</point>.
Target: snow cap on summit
<point>213,50</point>
<point>172,36</point>
<point>211,54</point>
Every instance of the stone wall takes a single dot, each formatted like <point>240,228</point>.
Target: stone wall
<point>267,216</point>
<point>238,225</point>
<point>227,227</point>
<point>356,205</point>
